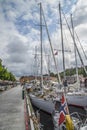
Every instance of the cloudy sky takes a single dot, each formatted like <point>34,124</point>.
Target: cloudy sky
<point>20,33</point>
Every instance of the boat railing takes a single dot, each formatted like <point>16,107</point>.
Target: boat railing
<point>33,120</point>
<point>79,119</point>
<point>85,123</point>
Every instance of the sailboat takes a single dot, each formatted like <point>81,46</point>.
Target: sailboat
<point>79,96</point>
<point>38,98</point>
<point>42,99</point>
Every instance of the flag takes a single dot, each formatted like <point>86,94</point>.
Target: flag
<point>55,52</point>
<point>64,115</point>
<point>63,110</point>
<point>69,123</point>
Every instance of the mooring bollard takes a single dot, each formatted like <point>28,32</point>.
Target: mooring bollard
<point>22,93</point>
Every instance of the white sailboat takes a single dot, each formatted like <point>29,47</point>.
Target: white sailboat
<point>78,97</point>
<point>38,98</point>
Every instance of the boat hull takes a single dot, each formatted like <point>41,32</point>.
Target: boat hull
<point>77,100</point>
<point>42,104</point>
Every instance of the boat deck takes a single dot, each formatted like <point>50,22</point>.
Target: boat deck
<point>12,110</point>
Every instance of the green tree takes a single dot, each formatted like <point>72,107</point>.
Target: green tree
<point>5,74</point>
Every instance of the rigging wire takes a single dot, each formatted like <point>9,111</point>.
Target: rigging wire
<point>67,50</point>
<point>75,43</point>
<point>81,45</point>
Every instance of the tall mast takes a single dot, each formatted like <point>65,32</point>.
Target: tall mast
<point>62,41</point>
<point>74,49</point>
<point>36,63</point>
<point>41,47</point>
<point>48,66</point>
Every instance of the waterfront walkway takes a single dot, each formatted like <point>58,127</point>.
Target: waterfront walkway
<point>12,110</point>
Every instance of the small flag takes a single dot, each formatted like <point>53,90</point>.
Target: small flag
<point>64,115</point>
<point>63,110</point>
<point>55,52</point>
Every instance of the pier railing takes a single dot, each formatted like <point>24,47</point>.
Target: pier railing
<point>32,119</point>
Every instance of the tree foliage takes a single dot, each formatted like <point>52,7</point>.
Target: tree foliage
<point>5,74</point>
<point>70,72</point>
